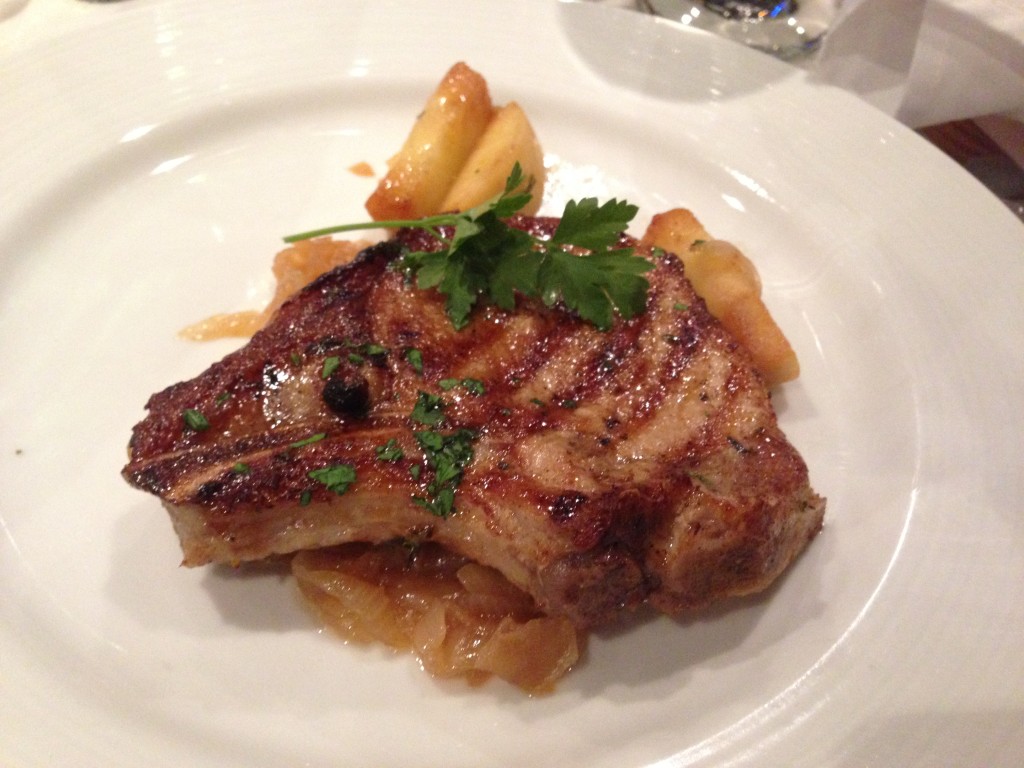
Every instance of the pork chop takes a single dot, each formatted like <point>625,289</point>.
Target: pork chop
<point>597,470</point>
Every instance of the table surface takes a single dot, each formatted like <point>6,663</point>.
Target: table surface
<point>990,148</point>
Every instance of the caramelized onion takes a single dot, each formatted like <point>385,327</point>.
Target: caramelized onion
<point>458,617</point>
<point>294,268</point>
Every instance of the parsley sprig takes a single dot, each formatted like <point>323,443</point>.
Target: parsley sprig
<point>484,257</point>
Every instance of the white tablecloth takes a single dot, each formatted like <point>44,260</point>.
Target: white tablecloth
<point>922,61</point>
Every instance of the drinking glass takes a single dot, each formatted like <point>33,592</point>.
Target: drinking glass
<point>788,29</point>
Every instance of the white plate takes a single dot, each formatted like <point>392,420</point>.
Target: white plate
<point>151,162</point>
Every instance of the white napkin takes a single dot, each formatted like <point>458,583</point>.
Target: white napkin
<point>10,7</point>
<point>928,61</point>
<point>870,49</point>
<point>969,62</point>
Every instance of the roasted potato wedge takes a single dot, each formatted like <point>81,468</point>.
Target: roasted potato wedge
<point>509,139</point>
<point>730,286</point>
<point>437,147</point>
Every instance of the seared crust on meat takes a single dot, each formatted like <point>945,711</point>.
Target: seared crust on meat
<point>610,469</point>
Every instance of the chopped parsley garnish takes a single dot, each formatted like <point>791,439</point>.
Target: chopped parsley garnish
<point>373,350</point>
<point>240,468</point>
<point>483,257</point>
<point>390,451</point>
<point>429,409</point>
<point>448,455</point>
<point>195,420</point>
<point>309,440</point>
<point>330,366</point>
<point>473,386</point>
<point>360,352</point>
<point>337,477</point>
<point>415,358</point>
<point>680,306</point>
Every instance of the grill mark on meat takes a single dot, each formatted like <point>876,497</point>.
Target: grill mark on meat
<point>606,469</point>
